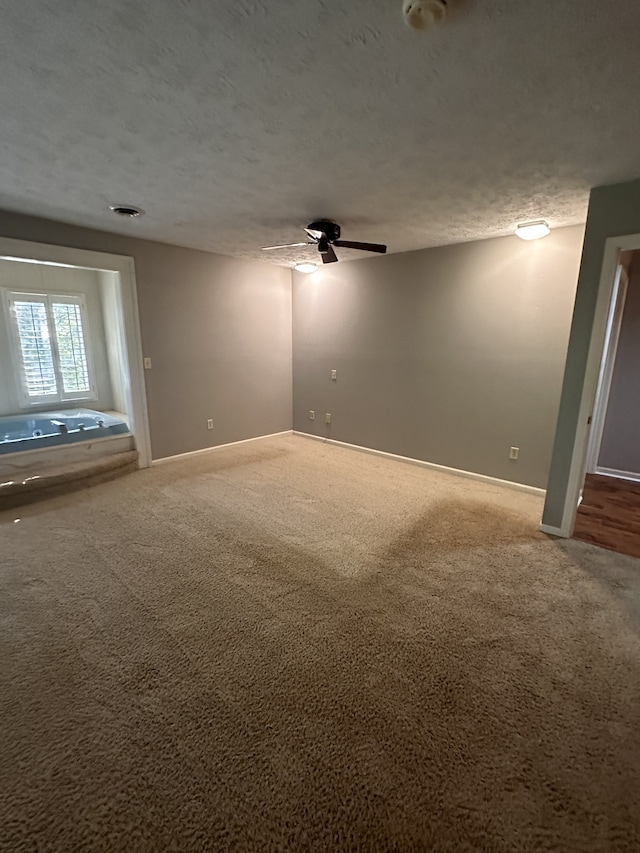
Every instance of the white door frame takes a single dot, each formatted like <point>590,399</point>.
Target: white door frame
<point>122,265</point>
<point>613,247</point>
<point>612,337</point>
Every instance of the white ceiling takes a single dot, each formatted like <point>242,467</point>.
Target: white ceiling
<point>236,122</point>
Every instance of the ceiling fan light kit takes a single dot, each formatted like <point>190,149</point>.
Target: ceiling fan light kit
<point>424,14</point>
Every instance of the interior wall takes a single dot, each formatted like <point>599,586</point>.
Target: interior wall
<point>620,447</point>
<point>449,355</point>
<point>218,331</point>
<point>614,211</point>
<point>38,278</point>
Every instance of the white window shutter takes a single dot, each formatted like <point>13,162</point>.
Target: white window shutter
<point>38,368</point>
<point>72,356</point>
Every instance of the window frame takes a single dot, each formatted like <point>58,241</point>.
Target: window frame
<point>61,396</point>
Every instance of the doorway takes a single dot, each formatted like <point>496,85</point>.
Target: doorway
<point>608,511</point>
<point>604,489</point>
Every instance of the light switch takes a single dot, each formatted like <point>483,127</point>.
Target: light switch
<point>147,364</point>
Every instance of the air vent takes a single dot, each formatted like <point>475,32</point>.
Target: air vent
<point>126,210</point>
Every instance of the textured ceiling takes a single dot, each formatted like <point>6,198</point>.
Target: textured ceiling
<point>236,122</point>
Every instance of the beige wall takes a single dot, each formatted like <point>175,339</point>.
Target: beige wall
<point>218,331</point>
<point>450,355</point>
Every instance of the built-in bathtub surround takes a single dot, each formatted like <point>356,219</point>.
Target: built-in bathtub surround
<point>47,453</point>
<point>53,429</point>
<point>19,489</point>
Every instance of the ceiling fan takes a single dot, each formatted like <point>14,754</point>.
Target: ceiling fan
<point>325,234</point>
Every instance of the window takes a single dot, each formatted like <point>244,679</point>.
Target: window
<point>51,348</point>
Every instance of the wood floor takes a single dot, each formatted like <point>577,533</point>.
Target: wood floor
<point>609,514</point>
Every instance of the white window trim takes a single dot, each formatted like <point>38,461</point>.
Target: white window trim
<point>61,396</point>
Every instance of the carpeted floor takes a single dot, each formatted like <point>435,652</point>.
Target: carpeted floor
<point>296,647</point>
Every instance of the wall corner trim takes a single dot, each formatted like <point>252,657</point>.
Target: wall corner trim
<point>164,459</point>
<point>471,475</point>
<point>552,531</point>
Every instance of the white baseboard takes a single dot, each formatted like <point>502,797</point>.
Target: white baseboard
<point>471,475</point>
<point>620,475</point>
<point>218,447</point>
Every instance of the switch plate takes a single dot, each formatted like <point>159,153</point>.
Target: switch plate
<point>327,418</point>
<point>147,364</point>
<point>514,452</point>
<point>334,374</point>
<point>210,423</point>
<point>312,415</point>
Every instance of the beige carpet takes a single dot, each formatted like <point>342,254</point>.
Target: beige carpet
<point>296,647</point>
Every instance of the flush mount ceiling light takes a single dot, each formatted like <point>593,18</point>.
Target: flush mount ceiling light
<point>533,230</point>
<point>128,211</point>
<point>423,14</point>
<point>305,267</point>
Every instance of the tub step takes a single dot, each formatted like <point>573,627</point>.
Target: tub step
<point>59,481</point>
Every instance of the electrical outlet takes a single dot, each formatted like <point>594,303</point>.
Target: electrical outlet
<point>514,452</point>
<point>334,374</point>
<point>147,364</point>
<point>312,415</point>
<point>210,423</point>
<point>327,418</point>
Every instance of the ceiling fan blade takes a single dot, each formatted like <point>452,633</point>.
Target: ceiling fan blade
<point>315,235</point>
<point>365,247</point>
<point>329,256</point>
<point>286,246</point>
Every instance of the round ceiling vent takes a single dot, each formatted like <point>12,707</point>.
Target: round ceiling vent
<point>126,210</point>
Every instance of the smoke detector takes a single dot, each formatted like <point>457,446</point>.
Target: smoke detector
<point>423,14</point>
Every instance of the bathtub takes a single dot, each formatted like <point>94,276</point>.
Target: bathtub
<point>20,433</point>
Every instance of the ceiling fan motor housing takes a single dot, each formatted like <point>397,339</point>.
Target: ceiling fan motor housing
<point>330,229</point>
<point>423,14</point>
